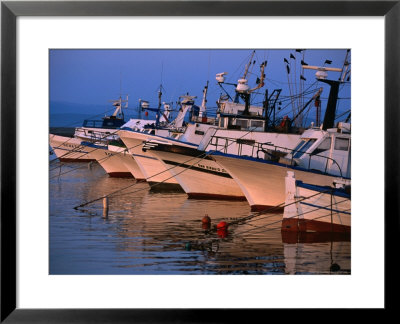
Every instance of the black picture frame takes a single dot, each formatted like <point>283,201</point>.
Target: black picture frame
<point>10,10</point>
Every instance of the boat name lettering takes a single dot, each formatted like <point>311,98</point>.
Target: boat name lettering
<point>210,168</point>
<point>69,145</point>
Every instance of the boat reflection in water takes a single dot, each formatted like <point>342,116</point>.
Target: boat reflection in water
<point>149,232</point>
<point>322,253</point>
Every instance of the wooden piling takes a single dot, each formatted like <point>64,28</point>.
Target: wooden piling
<point>105,207</point>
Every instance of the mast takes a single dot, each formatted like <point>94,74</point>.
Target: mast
<point>248,65</point>
<point>345,67</point>
<point>246,70</point>
<point>269,104</point>
<point>203,108</point>
<point>159,106</point>
<point>321,74</point>
<point>329,118</point>
<point>314,97</point>
<point>245,92</point>
<point>118,106</point>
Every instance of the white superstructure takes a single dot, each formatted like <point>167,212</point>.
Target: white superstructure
<point>318,158</point>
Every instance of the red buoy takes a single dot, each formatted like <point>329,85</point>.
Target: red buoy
<point>206,219</point>
<point>222,226</point>
<point>206,222</point>
<point>222,232</point>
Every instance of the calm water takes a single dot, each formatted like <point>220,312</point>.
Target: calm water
<point>161,233</point>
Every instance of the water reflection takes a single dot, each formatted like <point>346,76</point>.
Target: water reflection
<point>149,232</point>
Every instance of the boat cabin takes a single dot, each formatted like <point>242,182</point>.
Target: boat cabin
<point>230,116</point>
<point>110,122</point>
<point>326,151</point>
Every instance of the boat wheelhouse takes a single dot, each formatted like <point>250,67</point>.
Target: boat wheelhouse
<point>152,169</point>
<point>201,176</point>
<point>320,155</point>
<point>100,132</point>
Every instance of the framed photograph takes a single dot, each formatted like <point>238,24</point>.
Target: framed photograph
<point>119,224</point>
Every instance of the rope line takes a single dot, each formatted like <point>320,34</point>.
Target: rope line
<point>201,156</point>
<point>262,227</point>
<point>80,146</point>
<point>298,215</point>
<point>100,160</point>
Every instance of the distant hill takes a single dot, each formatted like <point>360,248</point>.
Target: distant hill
<point>65,114</point>
<point>60,107</point>
<point>68,120</point>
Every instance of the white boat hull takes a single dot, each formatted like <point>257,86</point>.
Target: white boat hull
<point>69,149</point>
<point>263,183</point>
<point>153,170</point>
<point>312,209</point>
<point>111,162</point>
<point>129,161</point>
<point>200,178</point>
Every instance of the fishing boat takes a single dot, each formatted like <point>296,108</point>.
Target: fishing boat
<point>109,158</point>
<point>194,171</point>
<point>71,149</point>
<point>321,155</point>
<point>153,170</point>
<point>103,130</point>
<point>129,162</point>
<point>239,126</point>
<point>312,208</point>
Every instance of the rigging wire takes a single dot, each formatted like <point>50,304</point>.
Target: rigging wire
<point>298,215</point>
<point>100,160</point>
<point>200,156</point>
<point>270,215</point>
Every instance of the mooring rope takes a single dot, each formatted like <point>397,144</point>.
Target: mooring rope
<point>70,138</point>
<point>263,227</point>
<point>166,170</point>
<point>100,160</point>
<point>304,213</point>
<point>80,146</point>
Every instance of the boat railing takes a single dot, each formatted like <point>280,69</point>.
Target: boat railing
<point>310,155</point>
<point>271,151</point>
<point>95,136</point>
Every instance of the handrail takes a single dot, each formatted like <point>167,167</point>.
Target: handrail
<point>260,148</point>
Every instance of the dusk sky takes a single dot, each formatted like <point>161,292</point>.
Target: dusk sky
<point>90,78</point>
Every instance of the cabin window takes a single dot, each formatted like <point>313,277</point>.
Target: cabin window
<point>302,149</point>
<point>341,144</point>
<point>222,122</point>
<point>257,123</point>
<point>298,146</point>
<point>242,123</point>
<point>324,146</point>
<point>197,132</point>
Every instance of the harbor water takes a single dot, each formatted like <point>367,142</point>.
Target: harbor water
<point>147,232</point>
